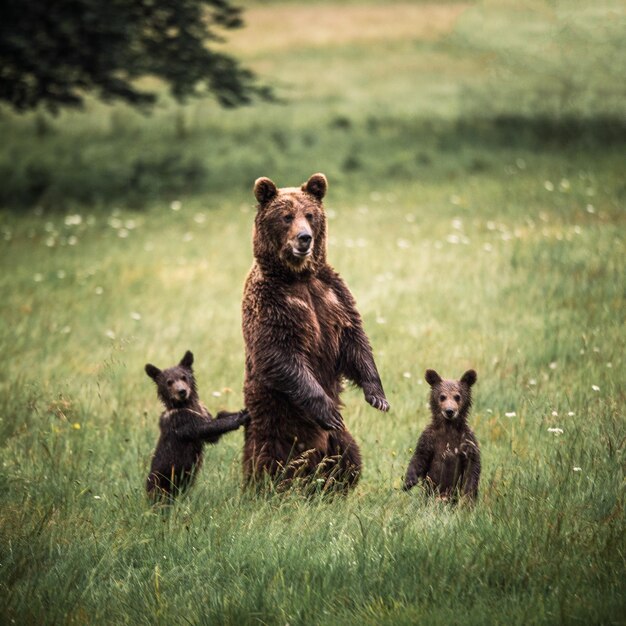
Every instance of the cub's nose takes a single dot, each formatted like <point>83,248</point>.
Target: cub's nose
<point>182,394</point>
<point>449,413</point>
<point>304,239</point>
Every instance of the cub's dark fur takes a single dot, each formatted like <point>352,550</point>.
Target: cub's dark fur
<point>185,426</point>
<point>447,456</point>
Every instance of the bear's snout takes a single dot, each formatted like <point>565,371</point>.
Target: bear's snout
<point>449,413</point>
<point>304,240</point>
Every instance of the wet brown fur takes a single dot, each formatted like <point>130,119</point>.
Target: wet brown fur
<point>185,426</point>
<point>447,456</point>
<point>303,335</point>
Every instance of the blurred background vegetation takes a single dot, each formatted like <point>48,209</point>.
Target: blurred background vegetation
<point>366,88</point>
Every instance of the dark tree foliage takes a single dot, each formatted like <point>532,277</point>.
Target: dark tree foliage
<point>53,53</point>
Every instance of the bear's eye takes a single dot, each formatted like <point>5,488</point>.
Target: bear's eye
<point>442,398</point>
<point>457,398</point>
<point>288,218</point>
<point>183,378</point>
<point>309,216</point>
<point>170,382</point>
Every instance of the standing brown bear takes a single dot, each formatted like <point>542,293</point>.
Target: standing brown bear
<point>447,456</point>
<point>303,334</point>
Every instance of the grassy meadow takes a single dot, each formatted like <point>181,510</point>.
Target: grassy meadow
<point>476,208</point>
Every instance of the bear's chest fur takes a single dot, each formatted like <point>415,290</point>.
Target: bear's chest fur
<point>320,317</point>
<point>450,458</point>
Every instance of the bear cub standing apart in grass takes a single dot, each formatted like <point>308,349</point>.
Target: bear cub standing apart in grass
<point>185,426</point>
<point>447,456</point>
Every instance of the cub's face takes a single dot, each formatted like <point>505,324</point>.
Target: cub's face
<point>290,223</point>
<point>175,385</point>
<point>450,399</point>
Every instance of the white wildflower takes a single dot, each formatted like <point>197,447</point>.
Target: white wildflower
<point>73,220</point>
<point>98,291</point>
<point>110,334</point>
<point>556,431</point>
<point>407,374</point>
<point>511,414</point>
<point>38,277</point>
<point>577,469</point>
<point>595,387</point>
<point>176,205</point>
<point>403,243</point>
<point>136,316</point>
<point>549,186</point>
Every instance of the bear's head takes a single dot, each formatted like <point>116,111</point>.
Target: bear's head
<point>450,400</point>
<point>290,226</point>
<point>176,386</point>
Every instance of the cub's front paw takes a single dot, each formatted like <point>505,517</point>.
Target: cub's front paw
<point>243,417</point>
<point>378,402</point>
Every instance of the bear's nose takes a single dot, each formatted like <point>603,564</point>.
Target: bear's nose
<point>304,239</point>
<point>182,393</point>
<point>449,412</point>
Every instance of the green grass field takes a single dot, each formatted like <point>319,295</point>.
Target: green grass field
<point>475,155</point>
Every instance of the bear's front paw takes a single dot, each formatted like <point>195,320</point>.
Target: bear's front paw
<point>378,402</point>
<point>244,417</point>
<point>331,420</point>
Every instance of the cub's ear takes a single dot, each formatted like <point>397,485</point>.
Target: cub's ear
<point>316,186</point>
<point>432,378</point>
<point>264,190</point>
<point>469,378</point>
<point>187,360</point>
<point>152,370</point>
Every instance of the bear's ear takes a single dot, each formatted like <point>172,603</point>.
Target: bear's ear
<point>152,370</point>
<point>316,186</point>
<point>469,378</point>
<point>264,190</point>
<point>432,378</point>
<point>187,360</point>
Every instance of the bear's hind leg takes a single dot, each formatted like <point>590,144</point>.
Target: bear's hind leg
<point>344,452</point>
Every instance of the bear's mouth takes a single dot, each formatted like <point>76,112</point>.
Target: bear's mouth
<point>301,254</point>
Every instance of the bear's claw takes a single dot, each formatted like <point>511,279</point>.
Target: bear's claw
<point>378,403</point>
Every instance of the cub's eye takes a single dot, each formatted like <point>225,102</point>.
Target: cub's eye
<point>442,398</point>
<point>183,378</point>
<point>288,218</point>
<point>309,216</point>
<point>457,398</point>
<point>170,382</point>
